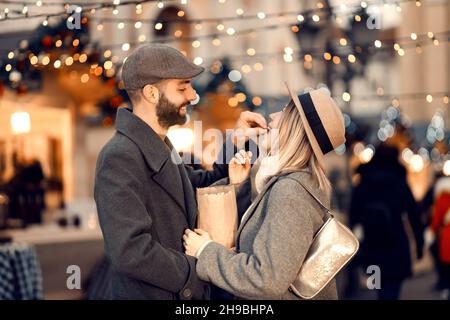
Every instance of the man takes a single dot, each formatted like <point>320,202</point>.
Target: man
<point>145,199</point>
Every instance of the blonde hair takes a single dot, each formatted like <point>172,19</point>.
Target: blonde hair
<point>295,151</point>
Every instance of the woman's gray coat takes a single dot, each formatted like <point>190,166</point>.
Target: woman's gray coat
<point>272,241</point>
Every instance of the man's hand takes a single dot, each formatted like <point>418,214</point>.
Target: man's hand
<point>249,124</point>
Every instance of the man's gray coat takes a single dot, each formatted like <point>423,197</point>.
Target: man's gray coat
<point>145,201</point>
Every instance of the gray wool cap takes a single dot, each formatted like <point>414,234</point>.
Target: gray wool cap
<point>151,63</point>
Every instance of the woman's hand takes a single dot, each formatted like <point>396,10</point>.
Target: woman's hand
<point>239,167</point>
<point>193,241</point>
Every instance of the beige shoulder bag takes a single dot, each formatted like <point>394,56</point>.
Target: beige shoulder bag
<point>333,246</point>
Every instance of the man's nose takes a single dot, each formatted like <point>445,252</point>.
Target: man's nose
<point>191,95</point>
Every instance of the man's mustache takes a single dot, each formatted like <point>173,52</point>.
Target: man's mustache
<point>186,104</point>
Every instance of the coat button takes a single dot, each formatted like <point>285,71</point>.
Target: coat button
<point>187,293</point>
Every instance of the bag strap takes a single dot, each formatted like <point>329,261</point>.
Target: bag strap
<point>327,210</point>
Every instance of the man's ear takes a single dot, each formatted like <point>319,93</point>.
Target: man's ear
<point>151,93</point>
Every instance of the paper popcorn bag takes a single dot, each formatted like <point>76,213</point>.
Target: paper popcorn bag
<point>217,213</point>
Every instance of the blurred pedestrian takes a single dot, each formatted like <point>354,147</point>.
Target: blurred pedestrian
<point>441,183</point>
<point>378,205</point>
<point>440,225</point>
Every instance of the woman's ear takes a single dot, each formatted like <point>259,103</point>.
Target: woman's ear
<point>151,93</point>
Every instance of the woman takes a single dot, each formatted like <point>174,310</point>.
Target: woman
<point>278,228</point>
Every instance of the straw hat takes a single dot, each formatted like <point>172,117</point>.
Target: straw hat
<point>322,119</point>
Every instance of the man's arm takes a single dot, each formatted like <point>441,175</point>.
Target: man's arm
<point>126,226</point>
<point>249,124</point>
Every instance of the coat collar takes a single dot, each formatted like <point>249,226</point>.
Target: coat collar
<point>303,176</point>
<point>154,149</point>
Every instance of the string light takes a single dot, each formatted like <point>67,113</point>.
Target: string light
<point>84,78</point>
<point>246,68</point>
<point>258,66</point>
<point>241,97</point>
<point>57,64</point>
<point>343,42</point>
<point>257,101</point>
<point>198,60</point>
<point>261,15</point>
<point>69,61</point>
<point>233,102</point>
<point>287,58</point>
<point>445,99</point>
<point>33,60</point>
<point>83,58</point>
<point>108,65</point>
<point>346,97</point>
<point>231,31</point>
<point>251,52</point>
<point>45,60</point>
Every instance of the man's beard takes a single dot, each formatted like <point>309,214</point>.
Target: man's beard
<point>168,113</point>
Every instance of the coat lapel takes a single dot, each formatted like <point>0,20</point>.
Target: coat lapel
<point>156,152</point>
<point>190,203</point>
<point>169,179</point>
<point>189,197</point>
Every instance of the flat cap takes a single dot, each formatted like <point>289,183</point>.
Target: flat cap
<point>151,63</point>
